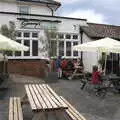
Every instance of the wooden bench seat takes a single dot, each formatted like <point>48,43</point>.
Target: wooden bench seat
<point>15,109</point>
<point>72,112</point>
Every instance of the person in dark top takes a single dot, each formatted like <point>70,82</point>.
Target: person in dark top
<point>70,65</point>
<point>58,67</point>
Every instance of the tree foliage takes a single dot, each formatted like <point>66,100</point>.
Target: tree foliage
<point>50,43</point>
<point>8,31</point>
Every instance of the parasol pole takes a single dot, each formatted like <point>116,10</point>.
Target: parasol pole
<point>112,64</point>
<point>105,64</point>
<point>4,63</point>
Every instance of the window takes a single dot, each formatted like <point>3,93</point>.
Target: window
<point>75,36</point>
<point>61,48</point>
<point>75,53</point>
<point>60,36</point>
<point>24,9</point>
<point>27,43</point>
<point>68,36</point>
<point>18,53</point>
<point>68,48</point>
<point>26,34</point>
<point>9,53</point>
<point>35,35</point>
<point>34,48</point>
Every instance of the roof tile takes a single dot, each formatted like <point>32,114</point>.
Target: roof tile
<point>101,30</point>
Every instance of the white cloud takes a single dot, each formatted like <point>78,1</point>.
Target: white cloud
<point>90,15</point>
<point>68,1</point>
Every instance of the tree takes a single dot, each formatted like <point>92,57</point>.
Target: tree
<point>8,31</point>
<point>50,42</point>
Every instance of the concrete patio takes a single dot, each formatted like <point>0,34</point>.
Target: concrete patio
<point>89,105</point>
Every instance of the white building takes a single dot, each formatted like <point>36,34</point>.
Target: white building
<point>32,18</point>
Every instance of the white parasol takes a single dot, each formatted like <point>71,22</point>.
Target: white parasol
<point>7,44</point>
<point>106,45</point>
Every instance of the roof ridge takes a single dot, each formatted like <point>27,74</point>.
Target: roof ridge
<point>103,24</point>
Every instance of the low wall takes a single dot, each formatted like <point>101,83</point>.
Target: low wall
<point>27,67</point>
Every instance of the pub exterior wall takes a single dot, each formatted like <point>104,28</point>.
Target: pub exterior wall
<point>89,58</point>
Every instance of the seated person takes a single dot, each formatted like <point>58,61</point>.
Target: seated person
<point>64,64</point>
<point>70,65</point>
<point>79,65</point>
<point>68,69</point>
<point>96,76</point>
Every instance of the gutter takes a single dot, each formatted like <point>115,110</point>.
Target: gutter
<point>51,9</point>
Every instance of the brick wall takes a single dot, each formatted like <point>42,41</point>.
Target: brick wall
<point>27,67</point>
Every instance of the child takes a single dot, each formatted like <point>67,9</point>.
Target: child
<point>96,75</point>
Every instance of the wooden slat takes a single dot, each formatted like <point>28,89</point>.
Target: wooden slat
<point>72,111</point>
<point>48,97</point>
<point>57,97</point>
<point>49,106</point>
<point>34,95</point>
<point>15,109</point>
<point>30,97</point>
<point>71,115</point>
<point>20,113</point>
<point>39,97</point>
<point>11,104</point>
<point>56,102</point>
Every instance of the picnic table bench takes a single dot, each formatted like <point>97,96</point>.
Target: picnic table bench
<point>72,112</point>
<point>15,110</point>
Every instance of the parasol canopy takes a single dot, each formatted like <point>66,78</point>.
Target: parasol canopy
<point>106,45</point>
<point>7,44</point>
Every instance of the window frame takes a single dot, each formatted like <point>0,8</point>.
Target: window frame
<point>22,7</point>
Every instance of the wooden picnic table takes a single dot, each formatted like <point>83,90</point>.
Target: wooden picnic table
<point>77,72</point>
<point>43,99</point>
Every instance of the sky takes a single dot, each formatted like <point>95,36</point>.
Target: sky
<point>95,11</point>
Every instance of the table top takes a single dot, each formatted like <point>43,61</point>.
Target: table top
<point>113,77</point>
<point>43,98</point>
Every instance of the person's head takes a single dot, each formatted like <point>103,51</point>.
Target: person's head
<point>79,60</point>
<point>59,57</point>
<point>95,68</point>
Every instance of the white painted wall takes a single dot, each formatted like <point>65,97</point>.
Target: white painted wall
<point>8,7</point>
<point>67,25</point>
<point>34,9</point>
<point>89,58</point>
<point>42,10</point>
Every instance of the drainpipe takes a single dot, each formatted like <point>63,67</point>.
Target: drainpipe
<point>51,9</point>
<point>81,41</point>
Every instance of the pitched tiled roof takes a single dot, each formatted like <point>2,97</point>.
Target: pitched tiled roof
<point>43,1</point>
<point>101,30</point>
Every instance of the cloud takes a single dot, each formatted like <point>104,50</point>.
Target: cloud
<point>69,1</point>
<point>90,15</point>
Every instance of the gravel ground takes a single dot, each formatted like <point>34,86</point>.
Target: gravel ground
<point>88,104</point>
